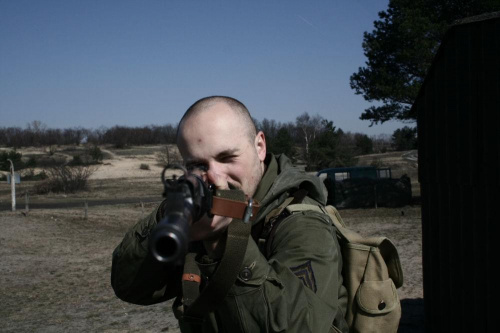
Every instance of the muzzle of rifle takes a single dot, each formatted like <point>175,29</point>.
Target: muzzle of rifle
<point>169,240</point>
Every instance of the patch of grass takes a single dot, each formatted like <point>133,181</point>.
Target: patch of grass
<point>72,151</point>
<point>144,166</point>
<point>50,161</point>
<point>92,315</point>
<point>32,176</point>
<point>136,151</point>
<point>77,160</point>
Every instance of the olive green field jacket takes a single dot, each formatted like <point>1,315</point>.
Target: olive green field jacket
<point>297,288</point>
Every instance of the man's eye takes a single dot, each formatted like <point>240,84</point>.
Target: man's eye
<point>227,159</point>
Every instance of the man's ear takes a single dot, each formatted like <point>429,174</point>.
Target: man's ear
<point>260,145</point>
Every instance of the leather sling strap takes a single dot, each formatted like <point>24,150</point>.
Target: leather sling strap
<point>232,208</point>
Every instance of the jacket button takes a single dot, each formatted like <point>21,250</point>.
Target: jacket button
<point>246,274</point>
<point>381,305</point>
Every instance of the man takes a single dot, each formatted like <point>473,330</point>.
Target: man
<point>295,285</point>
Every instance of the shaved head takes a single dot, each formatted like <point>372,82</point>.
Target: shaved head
<point>218,142</point>
<point>206,103</point>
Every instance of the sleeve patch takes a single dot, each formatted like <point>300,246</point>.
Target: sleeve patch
<point>306,274</point>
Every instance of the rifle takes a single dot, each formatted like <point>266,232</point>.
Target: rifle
<point>187,199</point>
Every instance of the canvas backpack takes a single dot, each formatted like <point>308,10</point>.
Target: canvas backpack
<point>371,271</point>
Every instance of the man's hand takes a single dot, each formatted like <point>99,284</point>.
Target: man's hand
<point>210,230</point>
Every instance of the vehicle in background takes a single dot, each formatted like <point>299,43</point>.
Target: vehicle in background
<point>365,186</point>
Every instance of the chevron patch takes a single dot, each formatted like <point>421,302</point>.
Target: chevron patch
<point>306,274</point>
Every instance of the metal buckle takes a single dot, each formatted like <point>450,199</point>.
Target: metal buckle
<point>248,211</point>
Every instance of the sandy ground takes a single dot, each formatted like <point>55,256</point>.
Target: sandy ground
<point>113,166</point>
<point>127,167</point>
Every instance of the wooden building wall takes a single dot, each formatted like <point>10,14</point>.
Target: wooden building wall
<point>459,164</point>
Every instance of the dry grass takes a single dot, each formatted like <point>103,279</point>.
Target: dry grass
<point>56,268</point>
<point>56,274</point>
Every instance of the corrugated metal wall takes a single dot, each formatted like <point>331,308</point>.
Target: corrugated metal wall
<point>459,165</point>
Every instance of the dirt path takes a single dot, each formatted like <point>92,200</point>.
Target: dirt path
<point>74,203</point>
<point>112,155</point>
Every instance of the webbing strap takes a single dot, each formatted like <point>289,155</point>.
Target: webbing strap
<point>225,275</point>
<point>190,287</point>
<point>297,197</point>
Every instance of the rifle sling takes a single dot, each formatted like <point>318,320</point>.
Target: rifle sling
<point>232,208</point>
<point>228,203</point>
<point>225,275</point>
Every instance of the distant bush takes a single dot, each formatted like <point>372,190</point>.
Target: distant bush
<point>144,166</point>
<point>95,154</point>
<point>121,144</point>
<point>12,155</point>
<point>52,150</point>
<point>91,155</point>
<point>66,179</point>
<point>77,160</point>
<point>31,175</point>
<point>50,161</point>
<point>31,163</point>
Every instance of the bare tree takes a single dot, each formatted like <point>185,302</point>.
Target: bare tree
<point>169,155</point>
<point>36,130</point>
<point>382,143</point>
<point>308,128</point>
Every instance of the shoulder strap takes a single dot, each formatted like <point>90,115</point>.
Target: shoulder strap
<point>274,218</point>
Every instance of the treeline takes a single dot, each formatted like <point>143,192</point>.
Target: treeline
<point>37,134</point>
<point>315,141</point>
<point>312,139</point>
<point>320,144</point>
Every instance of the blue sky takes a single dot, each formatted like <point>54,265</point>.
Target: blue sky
<point>104,63</point>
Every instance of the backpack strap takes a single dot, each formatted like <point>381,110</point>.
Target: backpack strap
<point>274,218</point>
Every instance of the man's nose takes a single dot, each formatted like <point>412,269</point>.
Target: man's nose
<point>215,174</point>
<point>212,176</point>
